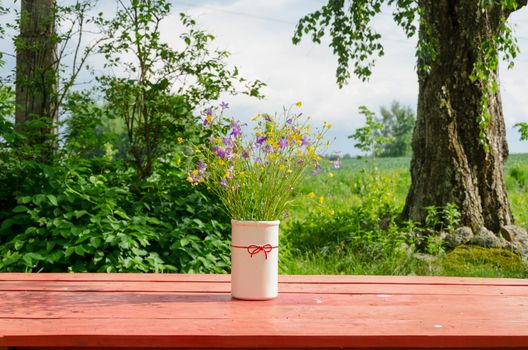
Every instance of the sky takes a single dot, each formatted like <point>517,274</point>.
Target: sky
<point>258,35</point>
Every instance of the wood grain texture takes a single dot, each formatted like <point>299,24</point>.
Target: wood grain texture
<point>193,311</point>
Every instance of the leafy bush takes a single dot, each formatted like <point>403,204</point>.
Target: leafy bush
<point>92,215</point>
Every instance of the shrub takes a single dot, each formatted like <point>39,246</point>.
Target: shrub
<point>91,215</point>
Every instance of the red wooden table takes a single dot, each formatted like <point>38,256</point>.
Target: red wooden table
<point>190,311</point>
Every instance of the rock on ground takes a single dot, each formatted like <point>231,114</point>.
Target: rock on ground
<point>486,238</point>
<point>516,237</point>
<point>458,237</point>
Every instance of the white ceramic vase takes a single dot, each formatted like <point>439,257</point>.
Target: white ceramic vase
<point>254,259</point>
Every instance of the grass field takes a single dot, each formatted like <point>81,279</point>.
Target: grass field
<point>342,234</point>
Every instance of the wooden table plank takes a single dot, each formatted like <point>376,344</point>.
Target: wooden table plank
<point>213,278</point>
<point>134,310</point>
<point>224,287</point>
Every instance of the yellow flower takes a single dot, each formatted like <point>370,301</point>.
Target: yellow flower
<point>298,103</point>
<point>209,118</point>
<point>189,179</point>
<point>330,175</point>
<point>321,199</point>
<point>289,171</point>
<point>281,168</point>
<point>242,174</point>
<point>332,212</point>
<point>311,195</point>
<point>195,172</point>
<point>327,125</point>
<point>180,140</point>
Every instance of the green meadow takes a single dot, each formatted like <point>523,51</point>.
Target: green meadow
<point>347,221</point>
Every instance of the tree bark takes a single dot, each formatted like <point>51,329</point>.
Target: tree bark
<point>36,73</point>
<point>450,164</point>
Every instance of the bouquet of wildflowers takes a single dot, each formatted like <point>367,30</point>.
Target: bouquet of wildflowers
<point>254,174</point>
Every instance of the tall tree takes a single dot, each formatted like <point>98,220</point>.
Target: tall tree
<point>398,124</point>
<point>36,73</point>
<point>459,142</point>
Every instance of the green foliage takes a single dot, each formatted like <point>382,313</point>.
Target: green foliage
<point>86,215</point>
<point>352,37</point>
<point>445,218</point>
<point>93,131</point>
<point>158,85</point>
<point>486,65</point>
<point>523,129</point>
<point>398,125</point>
<point>370,138</point>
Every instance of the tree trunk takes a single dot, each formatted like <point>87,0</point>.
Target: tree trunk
<point>36,73</point>
<point>450,164</point>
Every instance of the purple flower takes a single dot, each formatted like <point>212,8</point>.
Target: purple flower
<point>283,143</point>
<point>235,129</point>
<point>316,170</point>
<point>245,154</point>
<point>289,120</point>
<point>228,142</point>
<point>337,163</point>
<point>267,117</point>
<point>224,105</point>
<point>223,182</point>
<point>261,140</point>
<point>201,166</point>
<point>304,141</point>
<point>220,152</point>
<point>269,149</point>
<point>209,111</point>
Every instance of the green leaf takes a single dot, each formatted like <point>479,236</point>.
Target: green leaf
<point>52,199</point>
<point>20,209</point>
<point>95,242</point>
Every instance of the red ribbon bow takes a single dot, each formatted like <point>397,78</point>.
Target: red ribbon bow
<point>255,249</point>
